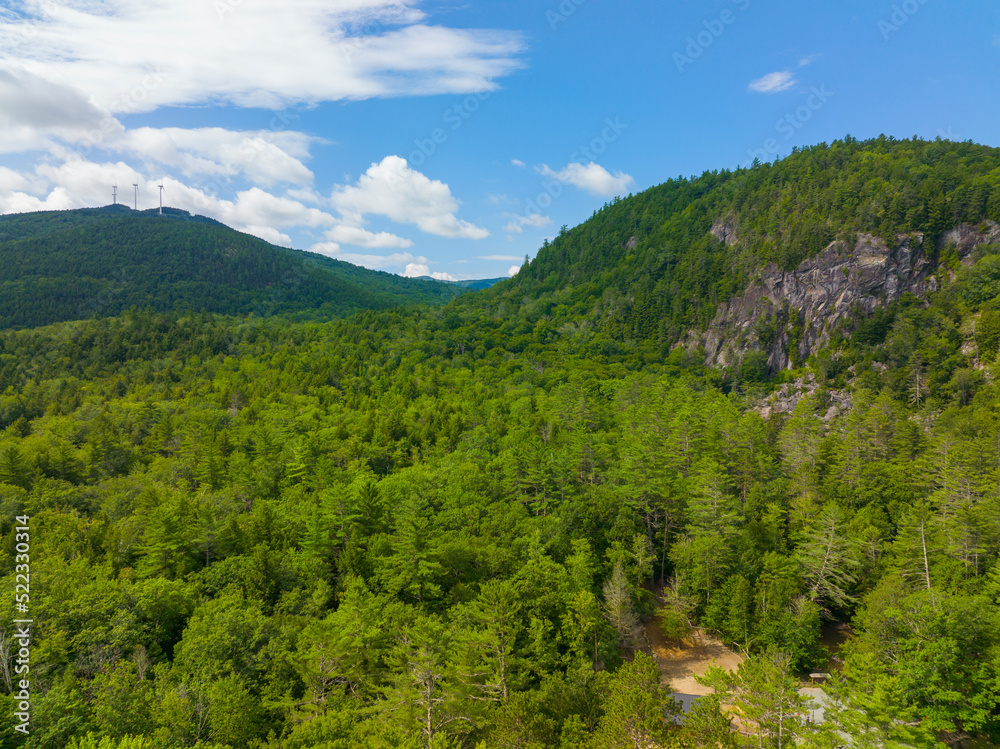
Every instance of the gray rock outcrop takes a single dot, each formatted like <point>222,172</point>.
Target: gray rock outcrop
<point>791,314</point>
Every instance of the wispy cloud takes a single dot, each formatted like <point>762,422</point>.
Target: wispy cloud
<point>239,52</point>
<point>773,83</point>
<point>516,226</point>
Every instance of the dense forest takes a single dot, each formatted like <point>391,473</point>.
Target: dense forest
<point>71,265</point>
<point>454,526</point>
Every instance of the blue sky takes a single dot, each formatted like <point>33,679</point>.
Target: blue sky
<point>452,138</point>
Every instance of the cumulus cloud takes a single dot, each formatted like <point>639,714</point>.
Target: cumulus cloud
<point>517,223</point>
<point>593,178</point>
<point>773,83</point>
<point>264,157</point>
<point>363,238</point>
<point>415,270</point>
<point>237,51</point>
<point>392,189</point>
<point>518,162</point>
<point>513,270</point>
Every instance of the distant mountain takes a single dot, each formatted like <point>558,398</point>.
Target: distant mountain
<point>471,284</point>
<point>66,265</point>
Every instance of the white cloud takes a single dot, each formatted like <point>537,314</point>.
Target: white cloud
<point>397,260</point>
<point>499,258</point>
<point>363,238</point>
<point>265,158</point>
<point>518,162</point>
<point>183,52</point>
<point>593,178</point>
<point>390,188</point>
<point>517,223</point>
<point>269,234</point>
<point>11,181</point>
<point>808,60</point>
<point>773,83</point>
<point>414,270</point>
<point>513,270</point>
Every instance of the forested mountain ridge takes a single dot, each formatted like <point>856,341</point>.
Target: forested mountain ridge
<point>657,265</point>
<point>68,265</point>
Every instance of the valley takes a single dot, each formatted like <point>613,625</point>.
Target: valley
<point>357,510</point>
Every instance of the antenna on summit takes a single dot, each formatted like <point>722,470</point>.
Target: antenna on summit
<point>114,194</point>
<point>161,198</point>
<point>136,186</point>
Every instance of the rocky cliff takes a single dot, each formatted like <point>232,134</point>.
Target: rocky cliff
<point>791,314</point>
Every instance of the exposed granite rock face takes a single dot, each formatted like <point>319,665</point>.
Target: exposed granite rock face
<point>725,231</point>
<point>790,314</point>
<point>787,397</point>
<point>966,238</point>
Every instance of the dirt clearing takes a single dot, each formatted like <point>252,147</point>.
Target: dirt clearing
<point>680,665</point>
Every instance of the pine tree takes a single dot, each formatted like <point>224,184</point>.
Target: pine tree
<point>620,609</point>
<point>828,558</point>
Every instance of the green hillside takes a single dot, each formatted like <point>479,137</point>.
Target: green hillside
<point>74,264</point>
<point>647,267</point>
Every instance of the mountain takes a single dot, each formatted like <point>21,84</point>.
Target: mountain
<point>471,284</point>
<point>659,266</point>
<point>66,265</point>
